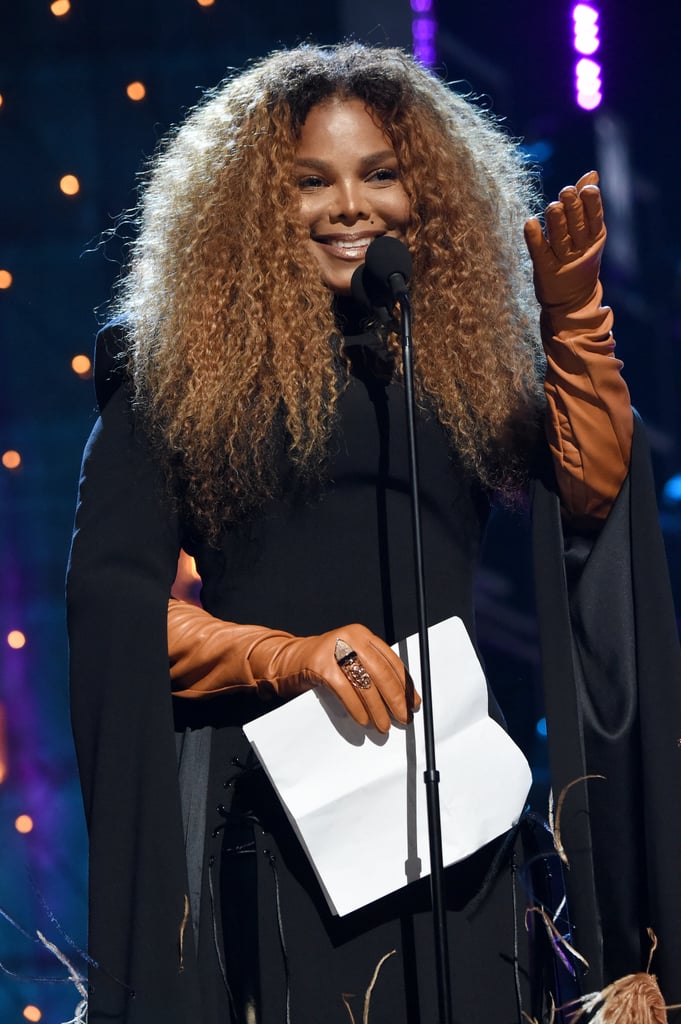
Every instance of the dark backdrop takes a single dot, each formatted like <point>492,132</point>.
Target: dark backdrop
<point>64,110</point>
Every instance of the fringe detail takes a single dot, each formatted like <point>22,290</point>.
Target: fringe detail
<point>554,822</point>
<point>634,999</point>
<point>81,1011</point>
<point>80,1014</point>
<point>183,927</point>
<point>374,979</point>
<point>551,1019</point>
<point>367,996</point>
<point>557,940</point>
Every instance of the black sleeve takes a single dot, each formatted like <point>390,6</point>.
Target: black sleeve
<point>612,682</point>
<point>122,563</point>
<point>109,360</point>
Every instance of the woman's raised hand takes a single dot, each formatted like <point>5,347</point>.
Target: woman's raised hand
<point>567,253</point>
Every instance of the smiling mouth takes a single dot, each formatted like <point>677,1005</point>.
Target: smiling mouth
<point>346,248</point>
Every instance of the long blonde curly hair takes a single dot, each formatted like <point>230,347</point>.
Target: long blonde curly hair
<point>230,326</point>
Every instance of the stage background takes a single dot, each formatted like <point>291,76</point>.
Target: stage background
<point>65,111</point>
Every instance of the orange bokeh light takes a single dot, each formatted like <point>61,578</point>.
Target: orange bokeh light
<point>82,365</point>
<point>5,279</point>
<point>24,824</point>
<point>32,1013</point>
<point>60,7</point>
<point>11,459</point>
<point>136,90</point>
<point>205,3</point>
<point>69,184</point>
<point>2,99</point>
<point>16,639</point>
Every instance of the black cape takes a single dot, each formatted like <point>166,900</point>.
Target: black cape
<point>612,688</point>
<point>612,675</point>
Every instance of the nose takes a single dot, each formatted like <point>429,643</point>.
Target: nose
<point>349,203</point>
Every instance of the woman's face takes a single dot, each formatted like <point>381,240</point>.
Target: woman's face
<point>350,188</point>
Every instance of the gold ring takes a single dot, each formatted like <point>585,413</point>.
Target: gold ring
<point>350,665</point>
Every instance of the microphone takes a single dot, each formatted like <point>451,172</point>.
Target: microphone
<point>361,297</point>
<point>382,280</point>
<point>388,268</point>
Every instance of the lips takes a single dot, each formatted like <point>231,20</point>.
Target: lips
<point>346,246</point>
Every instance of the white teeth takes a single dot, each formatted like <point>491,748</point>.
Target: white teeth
<point>356,243</point>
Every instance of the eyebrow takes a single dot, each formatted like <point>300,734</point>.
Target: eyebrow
<point>369,160</point>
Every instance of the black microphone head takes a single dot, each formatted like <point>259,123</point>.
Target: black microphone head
<point>357,289</point>
<point>387,256</point>
<point>363,299</point>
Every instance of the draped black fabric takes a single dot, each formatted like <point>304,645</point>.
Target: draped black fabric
<point>311,562</point>
<point>613,693</point>
<point>123,727</point>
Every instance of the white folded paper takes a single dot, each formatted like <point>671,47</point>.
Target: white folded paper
<point>357,799</point>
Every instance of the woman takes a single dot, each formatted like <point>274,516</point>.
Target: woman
<point>254,419</point>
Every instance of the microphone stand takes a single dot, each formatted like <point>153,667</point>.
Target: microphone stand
<point>431,776</point>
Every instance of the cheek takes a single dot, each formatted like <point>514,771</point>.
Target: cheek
<point>400,209</point>
<point>309,210</point>
<point>317,258</point>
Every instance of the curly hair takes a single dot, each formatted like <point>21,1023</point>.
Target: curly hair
<point>225,304</point>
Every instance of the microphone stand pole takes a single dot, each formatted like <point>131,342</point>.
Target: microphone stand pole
<point>431,775</point>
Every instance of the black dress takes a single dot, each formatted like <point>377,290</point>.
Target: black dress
<point>245,898</point>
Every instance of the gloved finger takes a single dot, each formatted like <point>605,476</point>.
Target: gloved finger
<point>381,688</point>
<point>375,706</point>
<point>381,681</point>
<point>575,219</point>
<point>557,232</point>
<point>377,675</point>
<point>590,178</point>
<point>538,247</point>
<point>390,677</point>
<point>350,697</point>
<point>592,203</point>
<point>360,676</point>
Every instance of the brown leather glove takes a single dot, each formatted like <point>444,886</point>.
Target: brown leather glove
<point>589,423</point>
<point>209,656</point>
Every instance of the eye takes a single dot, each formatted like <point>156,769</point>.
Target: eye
<point>384,175</point>
<point>310,181</point>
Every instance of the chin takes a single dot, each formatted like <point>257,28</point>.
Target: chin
<point>340,286</point>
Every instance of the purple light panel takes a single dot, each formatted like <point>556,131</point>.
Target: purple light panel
<point>586,42</point>
<point>424,31</point>
<point>585,20</point>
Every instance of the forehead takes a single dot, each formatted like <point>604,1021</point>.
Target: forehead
<point>337,122</point>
